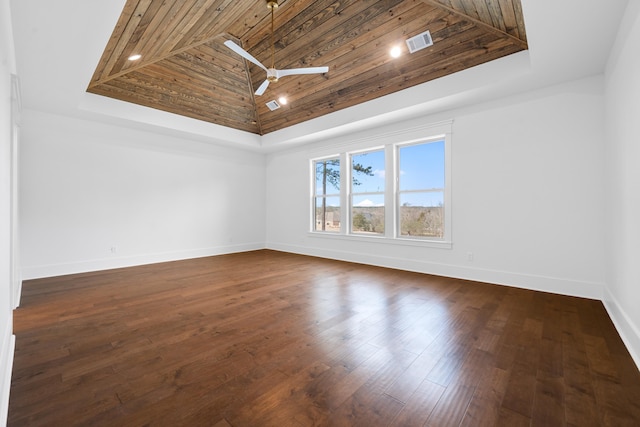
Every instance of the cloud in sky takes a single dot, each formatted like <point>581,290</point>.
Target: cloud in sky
<point>365,203</point>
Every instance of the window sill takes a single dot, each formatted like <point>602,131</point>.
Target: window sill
<point>439,244</point>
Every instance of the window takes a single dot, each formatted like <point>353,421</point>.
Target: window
<point>327,195</point>
<point>399,192</point>
<point>367,192</point>
<point>421,182</point>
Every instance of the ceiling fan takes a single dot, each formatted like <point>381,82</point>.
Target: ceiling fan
<point>272,74</point>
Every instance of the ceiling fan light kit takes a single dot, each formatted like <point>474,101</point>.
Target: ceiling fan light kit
<point>273,74</point>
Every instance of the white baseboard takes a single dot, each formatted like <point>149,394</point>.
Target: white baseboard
<point>554,285</point>
<point>8,341</point>
<point>17,294</point>
<point>627,330</point>
<point>52,270</point>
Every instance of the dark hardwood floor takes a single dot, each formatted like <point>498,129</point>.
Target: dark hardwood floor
<point>272,339</point>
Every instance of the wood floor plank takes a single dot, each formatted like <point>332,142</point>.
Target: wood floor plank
<point>266,338</point>
<point>452,406</point>
<point>484,407</point>
<point>507,417</point>
<point>419,405</point>
<point>549,400</point>
<point>580,402</point>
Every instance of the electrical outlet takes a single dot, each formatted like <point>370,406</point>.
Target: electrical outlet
<point>114,249</point>
<point>469,256</point>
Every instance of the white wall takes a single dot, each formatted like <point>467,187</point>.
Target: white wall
<point>7,340</point>
<point>623,172</point>
<point>527,176</point>
<point>95,196</point>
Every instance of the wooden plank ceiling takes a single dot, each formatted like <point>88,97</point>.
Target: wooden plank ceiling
<point>186,69</point>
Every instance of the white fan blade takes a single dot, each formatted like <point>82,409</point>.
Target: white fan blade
<point>295,71</point>
<point>240,51</point>
<point>262,88</point>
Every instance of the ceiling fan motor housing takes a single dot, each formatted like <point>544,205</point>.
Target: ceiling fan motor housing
<point>272,75</point>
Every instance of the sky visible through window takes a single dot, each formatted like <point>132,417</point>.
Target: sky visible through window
<point>368,183</point>
<point>421,168</point>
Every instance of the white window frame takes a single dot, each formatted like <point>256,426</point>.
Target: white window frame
<point>446,194</point>
<point>314,194</point>
<point>390,142</point>
<point>351,194</point>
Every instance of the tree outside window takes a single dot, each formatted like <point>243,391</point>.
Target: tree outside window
<point>327,195</point>
<point>395,191</point>
<point>327,210</point>
<point>367,193</point>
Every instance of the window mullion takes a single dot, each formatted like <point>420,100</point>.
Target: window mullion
<point>345,189</point>
<point>390,191</point>
<point>426,190</point>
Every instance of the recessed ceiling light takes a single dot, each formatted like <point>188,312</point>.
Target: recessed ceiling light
<point>395,52</point>
<point>135,57</point>
<point>282,100</point>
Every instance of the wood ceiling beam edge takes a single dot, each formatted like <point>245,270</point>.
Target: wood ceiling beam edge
<point>106,63</point>
<point>253,95</point>
<point>162,58</point>
<point>521,43</point>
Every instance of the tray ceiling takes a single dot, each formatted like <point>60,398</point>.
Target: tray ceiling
<point>186,69</point>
